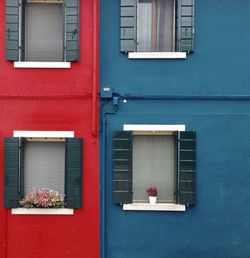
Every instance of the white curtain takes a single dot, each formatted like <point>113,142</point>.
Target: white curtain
<point>165,23</point>
<point>144,25</point>
<point>153,165</point>
<point>163,18</point>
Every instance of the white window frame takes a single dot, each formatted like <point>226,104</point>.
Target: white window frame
<point>157,206</point>
<point>43,211</point>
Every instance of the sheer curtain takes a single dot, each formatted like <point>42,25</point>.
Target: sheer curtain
<point>153,165</point>
<point>155,25</point>
<point>144,25</point>
<point>165,24</point>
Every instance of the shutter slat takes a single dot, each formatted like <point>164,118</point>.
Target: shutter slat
<point>186,168</point>
<point>12,30</point>
<point>73,172</point>
<point>11,172</point>
<point>72,29</point>
<point>127,25</point>
<point>185,25</point>
<point>122,167</point>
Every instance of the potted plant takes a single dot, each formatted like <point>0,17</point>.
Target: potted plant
<point>152,194</point>
<point>43,198</point>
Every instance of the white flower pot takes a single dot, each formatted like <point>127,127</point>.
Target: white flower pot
<point>152,199</point>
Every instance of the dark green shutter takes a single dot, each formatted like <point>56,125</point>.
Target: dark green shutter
<point>185,25</point>
<point>12,164</point>
<point>73,172</point>
<point>128,26</point>
<point>21,168</point>
<point>122,167</point>
<point>186,182</point>
<point>12,30</point>
<point>72,30</point>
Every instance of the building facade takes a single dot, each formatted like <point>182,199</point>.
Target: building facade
<point>49,132</point>
<point>174,115</point>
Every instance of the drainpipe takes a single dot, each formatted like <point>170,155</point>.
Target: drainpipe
<point>4,244</point>
<point>103,176</point>
<point>95,68</point>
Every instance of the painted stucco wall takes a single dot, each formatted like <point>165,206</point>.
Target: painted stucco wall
<point>218,226</point>
<point>53,100</point>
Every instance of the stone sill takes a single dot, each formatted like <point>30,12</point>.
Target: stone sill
<point>42,64</point>
<point>42,211</point>
<point>157,55</point>
<point>154,207</point>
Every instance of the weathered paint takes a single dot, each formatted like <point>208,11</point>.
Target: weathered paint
<point>218,226</point>
<point>57,100</point>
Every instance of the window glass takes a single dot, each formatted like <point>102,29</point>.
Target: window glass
<point>155,25</point>
<point>154,165</point>
<point>44,166</point>
<point>43,32</point>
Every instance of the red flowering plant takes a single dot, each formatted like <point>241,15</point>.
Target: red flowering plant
<point>43,198</point>
<point>152,191</point>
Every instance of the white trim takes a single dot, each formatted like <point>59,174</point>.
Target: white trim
<point>146,127</point>
<point>42,211</point>
<point>42,64</point>
<point>157,55</point>
<point>47,134</point>
<point>154,207</point>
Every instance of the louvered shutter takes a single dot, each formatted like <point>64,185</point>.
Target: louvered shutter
<point>185,26</point>
<point>72,29</point>
<point>73,172</point>
<point>122,167</point>
<point>128,26</point>
<point>186,187</point>
<point>12,30</point>
<point>13,161</point>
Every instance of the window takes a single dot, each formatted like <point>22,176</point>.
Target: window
<point>157,25</point>
<point>164,159</point>
<point>44,165</point>
<point>54,163</point>
<point>153,159</point>
<point>42,31</point>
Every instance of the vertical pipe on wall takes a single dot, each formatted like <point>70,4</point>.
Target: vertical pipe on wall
<point>5,234</point>
<point>103,189</point>
<point>103,181</point>
<point>95,67</point>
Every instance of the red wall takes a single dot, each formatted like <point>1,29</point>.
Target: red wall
<point>54,99</point>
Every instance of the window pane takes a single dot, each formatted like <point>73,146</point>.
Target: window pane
<point>144,25</point>
<point>153,165</point>
<point>44,165</point>
<point>165,25</point>
<point>155,25</point>
<point>43,32</point>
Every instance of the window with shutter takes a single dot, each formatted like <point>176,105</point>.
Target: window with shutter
<point>53,163</point>
<point>42,31</point>
<point>161,159</point>
<point>157,25</point>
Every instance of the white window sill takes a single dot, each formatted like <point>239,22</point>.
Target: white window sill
<point>42,64</point>
<point>42,211</point>
<point>157,55</point>
<point>154,207</point>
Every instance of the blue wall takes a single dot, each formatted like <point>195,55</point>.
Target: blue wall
<point>219,225</point>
